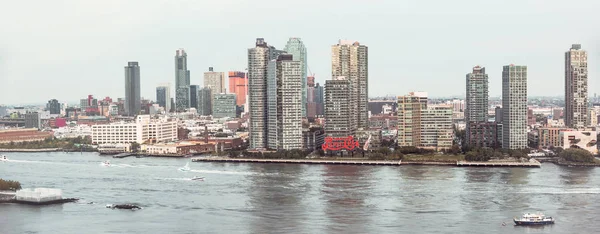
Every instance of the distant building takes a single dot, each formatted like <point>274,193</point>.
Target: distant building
<point>33,120</point>
<point>383,121</point>
<point>587,140</point>
<point>142,130</point>
<point>238,85</point>
<point>498,114</point>
<point>182,81</point>
<point>204,101</point>
<point>133,96</point>
<point>485,134</point>
<point>313,138</point>
<point>576,87</point>
<point>376,106</point>
<point>284,101</point>
<point>514,107</point>
<point>163,96</point>
<point>215,81</point>
<point>194,96</point>
<point>339,120</point>
<point>53,106</point>
<point>550,137</point>
<point>315,105</point>
<point>23,135</point>
<point>530,117</point>
<point>224,105</point>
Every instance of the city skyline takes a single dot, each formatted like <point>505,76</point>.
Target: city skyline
<point>393,66</point>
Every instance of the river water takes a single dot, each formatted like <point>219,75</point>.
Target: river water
<point>286,198</point>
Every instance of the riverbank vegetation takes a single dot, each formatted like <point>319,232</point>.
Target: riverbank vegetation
<point>577,156</point>
<point>9,185</point>
<point>79,143</point>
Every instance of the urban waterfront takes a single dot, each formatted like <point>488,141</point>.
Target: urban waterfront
<point>290,198</point>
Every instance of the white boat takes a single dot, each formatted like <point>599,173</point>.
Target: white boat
<point>105,163</point>
<point>186,167</point>
<point>533,219</point>
<point>198,178</point>
<point>3,158</point>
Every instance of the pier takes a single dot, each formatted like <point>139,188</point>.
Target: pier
<point>299,161</point>
<point>531,163</point>
<point>123,155</point>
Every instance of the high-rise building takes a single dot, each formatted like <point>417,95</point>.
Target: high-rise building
<point>514,107</point>
<point>576,88</point>
<point>215,81</point>
<point>350,60</point>
<point>477,99</point>
<point>314,101</point>
<point>204,101</point>
<point>258,58</point>
<point>296,47</point>
<point>339,119</point>
<point>409,118</point>
<point>194,96</point>
<point>224,105</point>
<point>238,84</point>
<point>182,81</point>
<point>284,101</point>
<point>424,126</point>
<point>163,96</point>
<point>33,120</point>
<point>133,96</point>
<point>53,106</point>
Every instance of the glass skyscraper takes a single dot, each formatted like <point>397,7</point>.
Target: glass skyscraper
<point>296,48</point>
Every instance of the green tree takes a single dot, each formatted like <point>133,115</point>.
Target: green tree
<point>576,155</point>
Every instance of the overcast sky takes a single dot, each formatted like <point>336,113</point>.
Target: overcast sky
<point>69,49</point>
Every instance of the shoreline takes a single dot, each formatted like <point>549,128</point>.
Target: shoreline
<point>369,162</point>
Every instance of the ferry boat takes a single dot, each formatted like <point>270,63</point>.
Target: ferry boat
<point>533,219</point>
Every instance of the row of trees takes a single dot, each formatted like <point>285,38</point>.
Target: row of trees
<point>9,185</point>
<point>485,154</point>
<point>576,155</point>
<point>52,142</point>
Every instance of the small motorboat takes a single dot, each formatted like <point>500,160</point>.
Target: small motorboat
<point>185,168</point>
<point>3,158</point>
<point>533,219</point>
<point>197,178</point>
<point>105,163</point>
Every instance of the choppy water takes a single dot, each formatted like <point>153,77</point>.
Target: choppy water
<point>279,198</point>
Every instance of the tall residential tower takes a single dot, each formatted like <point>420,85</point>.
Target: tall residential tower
<point>514,107</point>
<point>296,48</point>
<point>350,59</point>
<point>477,98</point>
<point>258,58</point>
<point>284,101</point>
<point>576,88</point>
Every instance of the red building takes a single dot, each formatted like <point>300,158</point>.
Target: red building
<point>238,84</point>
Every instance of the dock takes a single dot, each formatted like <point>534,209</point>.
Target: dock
<point>299,161</point>
<point>123,155</point>
<point>532,163</point>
